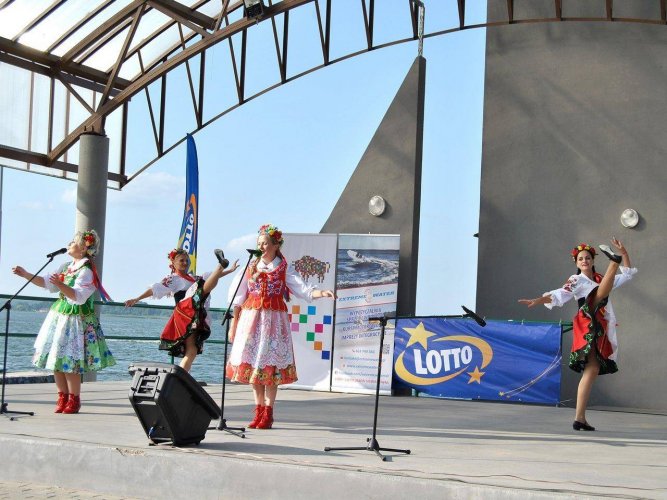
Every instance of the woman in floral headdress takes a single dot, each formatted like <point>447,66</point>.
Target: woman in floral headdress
<point>594,342</point>
<point>190,324</point>
<point>262,353</point>
<point>71,341</point>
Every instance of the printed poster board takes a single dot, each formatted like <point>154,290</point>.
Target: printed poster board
<point>367,286</point>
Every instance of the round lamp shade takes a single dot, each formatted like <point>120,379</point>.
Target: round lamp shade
<point>629,218</point>
<point>376,206</point>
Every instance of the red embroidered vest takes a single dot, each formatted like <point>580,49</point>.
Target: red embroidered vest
<point>267,290</point>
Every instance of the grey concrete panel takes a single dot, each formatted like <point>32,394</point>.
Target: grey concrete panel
<point>574,133</point>
<point>391,167</point>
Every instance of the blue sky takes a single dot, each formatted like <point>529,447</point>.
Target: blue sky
<point>283,158</point>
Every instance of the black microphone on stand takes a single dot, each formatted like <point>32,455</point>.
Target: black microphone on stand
<point>57,252</point>
<point>254,253</point>
<point>474,316</point>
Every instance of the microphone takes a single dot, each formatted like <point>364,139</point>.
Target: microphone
<point>474,316</point>
<point>254,253</point>
<point>57,252</point>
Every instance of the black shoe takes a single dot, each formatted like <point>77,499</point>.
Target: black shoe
<point>582,426</point>
<point>609,253</point>
<point>219,254</point>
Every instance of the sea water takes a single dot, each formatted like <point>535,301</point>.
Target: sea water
<point>208,367</point>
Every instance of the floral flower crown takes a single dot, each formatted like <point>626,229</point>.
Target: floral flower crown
<point>580,248</point>
<point>176,251</point>
<point>273,232</point>
<point>91,241</point>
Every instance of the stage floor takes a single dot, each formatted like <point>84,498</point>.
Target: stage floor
<point>459,449</point>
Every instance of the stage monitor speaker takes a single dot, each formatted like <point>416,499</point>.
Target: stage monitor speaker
<point>171,406</point>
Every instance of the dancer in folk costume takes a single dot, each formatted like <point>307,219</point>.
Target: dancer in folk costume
<point>594,342</point>
<point>262,353</point>
<point>190,324</point>
<point>71,342</point>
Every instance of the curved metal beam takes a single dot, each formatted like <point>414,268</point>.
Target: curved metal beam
<point>94,122</point>
<point>70,70</point>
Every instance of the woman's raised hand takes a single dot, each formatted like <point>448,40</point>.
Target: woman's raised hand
<point>619,246</point>
<point>528,302</point>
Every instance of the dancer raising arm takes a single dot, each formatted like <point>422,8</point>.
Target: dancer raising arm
<point>262,354</point>
<point>190,324</point>
<point>594,342</point>
<point>71,341</point>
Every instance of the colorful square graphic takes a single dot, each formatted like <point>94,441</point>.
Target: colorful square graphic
<point>305,320</point>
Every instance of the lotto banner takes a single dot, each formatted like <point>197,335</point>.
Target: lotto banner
<point>457,358</point>
<point>313,257</point>
<point>366,285</point>
<point>187,239</point>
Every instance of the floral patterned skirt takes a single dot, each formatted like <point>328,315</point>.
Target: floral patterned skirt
<point>71,343</point>
<point>262,352</point>
<point>589,332</point>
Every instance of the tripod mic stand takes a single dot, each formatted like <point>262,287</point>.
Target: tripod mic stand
<point>222,425</point>
<point>373,444</point>
<point>8,307</point>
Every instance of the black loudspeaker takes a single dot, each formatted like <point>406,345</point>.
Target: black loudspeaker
<point>170,404</point>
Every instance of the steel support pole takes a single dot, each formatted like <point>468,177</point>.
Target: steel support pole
<point>91,196</point>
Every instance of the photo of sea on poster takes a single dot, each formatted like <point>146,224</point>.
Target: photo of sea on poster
<point>367,286</point>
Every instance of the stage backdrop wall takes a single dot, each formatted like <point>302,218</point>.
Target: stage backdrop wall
<point>367,286</point>
<point>457,358</point>
<point>313,257</point>
<point>574,133</point>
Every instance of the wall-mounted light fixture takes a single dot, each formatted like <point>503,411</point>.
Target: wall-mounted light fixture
<point>629,218</point>
<point>376,206</point>
<point>253,8</point>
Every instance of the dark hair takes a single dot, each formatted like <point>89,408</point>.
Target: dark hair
<point>592,257</point>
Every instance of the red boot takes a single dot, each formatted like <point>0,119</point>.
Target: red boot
<point>73,404</point>
<point>259,413</point>
<point>62,402</point>
<point>267,419</point>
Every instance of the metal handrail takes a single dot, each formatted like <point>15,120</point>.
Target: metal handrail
<point>222,310</point>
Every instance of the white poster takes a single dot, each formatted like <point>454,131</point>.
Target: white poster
<point>367,287</point>
<point>313,257</point>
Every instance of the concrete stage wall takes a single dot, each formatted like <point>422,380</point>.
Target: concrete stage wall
<point>575,122</point>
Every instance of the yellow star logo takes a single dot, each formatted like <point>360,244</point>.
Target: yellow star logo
<point>475,376</point>
<point>419,335</point>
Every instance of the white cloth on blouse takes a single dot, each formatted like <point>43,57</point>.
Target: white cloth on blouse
<point>580,286</point>
<point>83,284</point>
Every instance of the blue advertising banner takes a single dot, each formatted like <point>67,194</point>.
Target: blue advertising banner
<point>457,358</point>
<point>187,239</point>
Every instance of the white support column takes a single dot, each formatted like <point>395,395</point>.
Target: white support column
<point>91,196</point>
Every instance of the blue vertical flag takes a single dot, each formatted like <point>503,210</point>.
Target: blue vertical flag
<point>188,236</point>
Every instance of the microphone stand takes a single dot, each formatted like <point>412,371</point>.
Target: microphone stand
<point>222,425</point>
<point>8,307</point>
<point>373,444</point>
